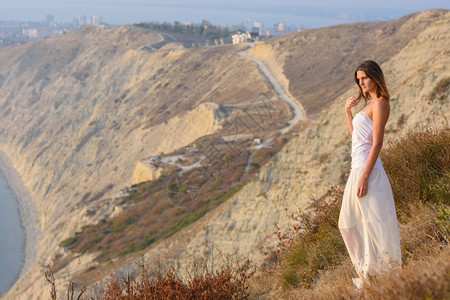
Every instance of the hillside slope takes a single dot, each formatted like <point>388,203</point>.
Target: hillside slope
<point>308,60</point>
<point>317,158</point>
<point>80,110</point>
<point>75,130</point>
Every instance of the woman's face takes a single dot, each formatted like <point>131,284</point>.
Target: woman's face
<point>368,85</point>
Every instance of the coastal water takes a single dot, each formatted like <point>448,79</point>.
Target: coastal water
<point>12,237</point>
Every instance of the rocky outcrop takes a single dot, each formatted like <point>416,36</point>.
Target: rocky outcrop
<point>145,171</point>
<point>177,132</point>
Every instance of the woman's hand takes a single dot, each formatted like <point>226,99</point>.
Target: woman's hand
<point>351,102</point>
<point>362,187</point>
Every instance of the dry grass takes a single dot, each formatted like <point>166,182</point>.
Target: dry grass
<point>229,281</point>
<point>425,272</point>
<point>310,261</point>
<point>418,167</point>
<point>204,279</point>
<point>426,278</point>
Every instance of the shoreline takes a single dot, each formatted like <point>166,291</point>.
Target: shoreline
<point>28,213</point>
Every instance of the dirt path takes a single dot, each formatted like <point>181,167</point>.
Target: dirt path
<point>298,113</point>
<point>150,46</point>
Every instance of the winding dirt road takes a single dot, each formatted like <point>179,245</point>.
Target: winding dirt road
<point>298,113</point>
<point>150,46</point>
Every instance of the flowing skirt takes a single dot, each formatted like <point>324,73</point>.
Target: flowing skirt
<point>369,224</point>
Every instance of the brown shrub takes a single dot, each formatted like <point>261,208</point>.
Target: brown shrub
<point>229,281</point>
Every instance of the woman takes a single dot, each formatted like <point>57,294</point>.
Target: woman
<point>367,221</point>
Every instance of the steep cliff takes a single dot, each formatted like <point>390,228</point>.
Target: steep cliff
<point>80,110</point>
<point>76,129</point>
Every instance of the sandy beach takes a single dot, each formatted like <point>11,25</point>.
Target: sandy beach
<point>27,208</point>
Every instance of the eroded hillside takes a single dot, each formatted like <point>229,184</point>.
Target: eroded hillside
<point>79,111</point>
<point>76,130</point>
<point>314,64</point>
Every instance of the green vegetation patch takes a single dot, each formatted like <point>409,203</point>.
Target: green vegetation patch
<point>162,207</point>
<point>313,244</point>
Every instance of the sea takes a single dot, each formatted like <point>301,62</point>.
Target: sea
<point>12,237</point>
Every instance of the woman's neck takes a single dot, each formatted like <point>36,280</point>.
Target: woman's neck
<point>372,96</point>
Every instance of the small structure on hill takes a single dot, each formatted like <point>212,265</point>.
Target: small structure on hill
<point>240,38</point>
<point>125,190</point>
<point>258,140</point>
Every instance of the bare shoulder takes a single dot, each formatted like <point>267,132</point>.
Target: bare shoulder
<point>381,107</point>
<point>381,104</point>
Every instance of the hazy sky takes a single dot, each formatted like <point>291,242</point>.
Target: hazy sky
<point>293,12</point>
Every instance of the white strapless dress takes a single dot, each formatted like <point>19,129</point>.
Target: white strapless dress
<point>369,224</point>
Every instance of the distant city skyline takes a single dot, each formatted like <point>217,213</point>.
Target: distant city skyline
<point>291,12</point>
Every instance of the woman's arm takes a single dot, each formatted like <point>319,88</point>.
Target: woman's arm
<point>351,102</point>
<point>380,115</point>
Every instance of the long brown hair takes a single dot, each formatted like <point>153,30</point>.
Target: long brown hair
<point>374,72</point>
